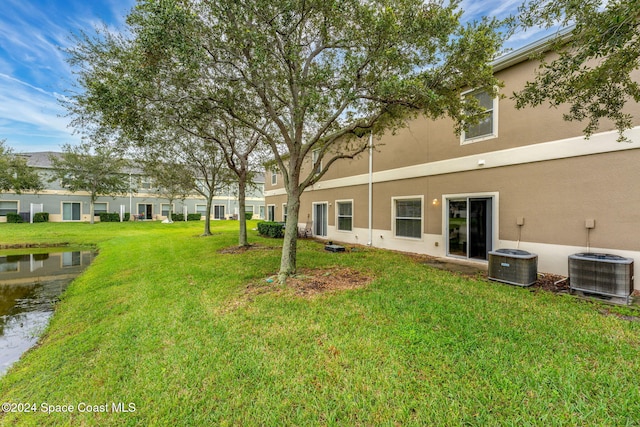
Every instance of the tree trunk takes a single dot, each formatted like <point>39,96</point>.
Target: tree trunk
<point>207,218</point>
<point>289,246</point>
<point>91,211</point>
<point>242,188</point>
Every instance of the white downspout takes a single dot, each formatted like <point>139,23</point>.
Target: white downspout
<point>370,189</point>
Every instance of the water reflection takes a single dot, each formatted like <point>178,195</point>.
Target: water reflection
<point>29,288</point>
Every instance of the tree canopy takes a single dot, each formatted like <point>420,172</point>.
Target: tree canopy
<point>304,75</point>
<point>598,56</point>
<point>15,174</point>
<point>99,171</point>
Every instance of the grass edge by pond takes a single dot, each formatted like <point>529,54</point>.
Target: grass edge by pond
<point>154,322</point>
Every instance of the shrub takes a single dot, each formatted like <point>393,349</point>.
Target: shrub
<point>14,218</point>
<point>271,229</point>
<point>177,217</point>
<point>41,217</point>
<point>113,217</point>
<point>194,217</point>
<point>248,215</point>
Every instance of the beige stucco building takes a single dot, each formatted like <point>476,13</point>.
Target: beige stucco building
<point>521,178</point>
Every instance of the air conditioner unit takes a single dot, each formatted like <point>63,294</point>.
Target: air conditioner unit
<point>601,274</point>
<point>513,266</point>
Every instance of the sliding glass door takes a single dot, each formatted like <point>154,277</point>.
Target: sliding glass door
<point>469,225</point>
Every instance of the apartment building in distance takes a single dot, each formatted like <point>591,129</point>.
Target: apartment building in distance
<point>142,200</point>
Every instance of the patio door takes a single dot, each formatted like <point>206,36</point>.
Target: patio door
<point>218,212</point>
<point>320,219</point>
<point>470,227</point>
<point>145,210</point>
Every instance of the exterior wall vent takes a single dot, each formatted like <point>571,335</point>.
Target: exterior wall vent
<point>513,266</point>
<point>601,274</point>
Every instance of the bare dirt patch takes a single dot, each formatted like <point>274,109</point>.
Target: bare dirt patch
<point>310,282</point>
<point>551,282</point>
<point>243,249</point>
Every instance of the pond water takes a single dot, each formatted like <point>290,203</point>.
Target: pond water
<point>30,285</point>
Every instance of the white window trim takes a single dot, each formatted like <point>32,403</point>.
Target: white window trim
<point>62,211</point>
<point>494,130</point>
<point>172,206</point>
<point>274,176</point>
<point>17,202</point>
<point>337,209</point>
<point>106,203</point>
<point>285,212</point>
<point>253,209</point>
<point>393,217</point>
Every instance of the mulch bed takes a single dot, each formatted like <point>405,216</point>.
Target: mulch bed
<point>551,282</point>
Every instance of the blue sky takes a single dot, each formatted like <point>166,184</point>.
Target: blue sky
<point>34,74</point>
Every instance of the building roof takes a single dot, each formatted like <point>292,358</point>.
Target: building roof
<point>524,53</point>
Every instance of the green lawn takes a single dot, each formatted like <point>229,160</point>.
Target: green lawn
<point>164,322</point>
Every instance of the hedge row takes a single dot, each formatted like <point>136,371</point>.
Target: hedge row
<point>190,217</point>
<point>271,229</point>
<point>41,217</point>
<point>113,217</point>
<point>14,218</point>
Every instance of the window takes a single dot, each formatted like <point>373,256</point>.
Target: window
<point>271,213</point>
<point>345,216</point>
<point>261,214</point>
<point>408,218</point>
<point>315,160</point>
<point>145,183</point>
<point>165,207</point>
<point>8,207</point>
<point>487,126</point>
<point>284,212</point>
<point>71,211</point>
<point>249,209</point>
<point>201,209</point>
<point>274,176</point>
<point>100,207</point>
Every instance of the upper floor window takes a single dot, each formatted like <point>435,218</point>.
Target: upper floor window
<point>274,176</point>
<point>487,126</point>
<point>145,183</point>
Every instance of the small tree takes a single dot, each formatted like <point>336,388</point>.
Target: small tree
<point>597,57</point>
<point>173,181</point>
<point>15,174</point>
<point>97,171</point>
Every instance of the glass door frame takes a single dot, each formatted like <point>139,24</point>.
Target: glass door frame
<point>324,225</point>
<point>492,222</point>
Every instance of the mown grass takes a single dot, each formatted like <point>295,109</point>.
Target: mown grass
<point>164,321</point>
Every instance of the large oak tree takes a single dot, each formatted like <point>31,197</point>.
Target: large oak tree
<point>598,54</point>
<point>305,75</point>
